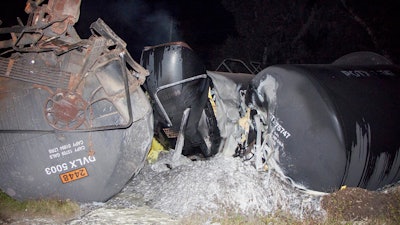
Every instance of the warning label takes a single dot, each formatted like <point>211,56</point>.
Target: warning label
<point>74,175</point>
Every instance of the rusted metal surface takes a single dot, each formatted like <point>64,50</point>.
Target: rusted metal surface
<point>44,52</point>
<point>65,110</point>
<point>64,12</point>
<point>49,27</point>
<point>74,122</point>
<point>35,68</point>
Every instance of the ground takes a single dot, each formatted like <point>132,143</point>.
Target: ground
<point>233,190</point>
<point>356,204</point>
<point>349,204</point>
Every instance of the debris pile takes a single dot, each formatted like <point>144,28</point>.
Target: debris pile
<point>218,185</point>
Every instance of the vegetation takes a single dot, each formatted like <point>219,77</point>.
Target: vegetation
<point>309,31</point>
<point>55,209</point>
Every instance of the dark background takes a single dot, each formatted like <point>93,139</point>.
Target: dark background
<point>267,31</point>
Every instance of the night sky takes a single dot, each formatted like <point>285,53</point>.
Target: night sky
<point>142,23</point>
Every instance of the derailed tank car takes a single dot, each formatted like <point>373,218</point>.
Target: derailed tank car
<point>74,122</point>
<point>326,126</point>
<point>177,80</point>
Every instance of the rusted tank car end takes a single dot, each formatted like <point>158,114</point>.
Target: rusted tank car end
<point>74,122</point>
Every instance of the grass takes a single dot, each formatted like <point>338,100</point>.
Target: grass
<point>11,209</point>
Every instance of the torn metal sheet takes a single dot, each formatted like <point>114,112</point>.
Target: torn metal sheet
<point>228,91</point>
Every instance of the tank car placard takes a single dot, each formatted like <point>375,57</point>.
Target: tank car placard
<point>74,175</point>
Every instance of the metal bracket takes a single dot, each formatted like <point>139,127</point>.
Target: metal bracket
<point>166,117</point>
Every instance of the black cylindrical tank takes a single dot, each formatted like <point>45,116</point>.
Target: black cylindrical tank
<point>177,81</point>
<point>334,124</point>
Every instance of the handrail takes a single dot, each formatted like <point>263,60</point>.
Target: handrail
<point>255,65</point>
